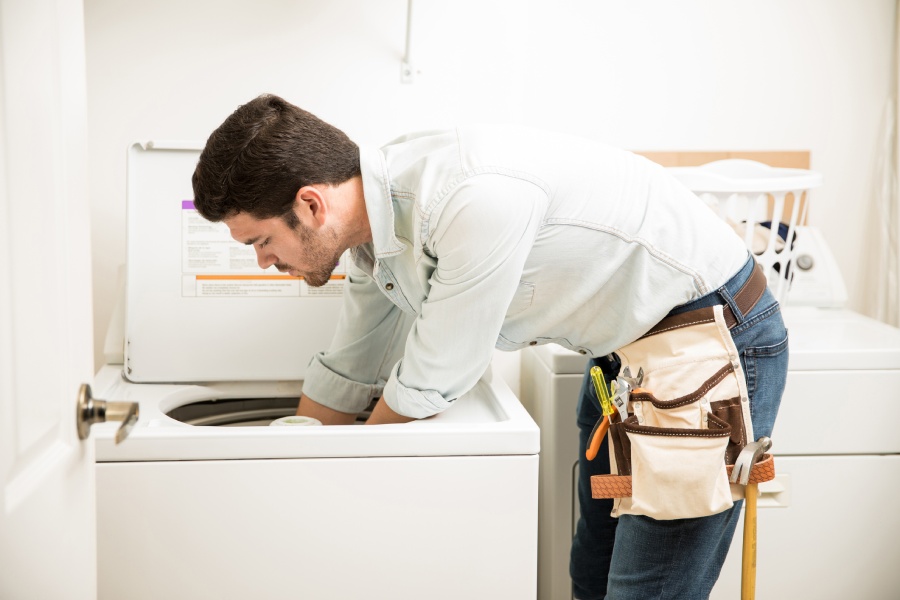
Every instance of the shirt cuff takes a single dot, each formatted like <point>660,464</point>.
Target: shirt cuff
<point>335,391</point>
<point>416,404</point>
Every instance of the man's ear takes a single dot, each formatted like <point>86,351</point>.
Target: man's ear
<point>311,206</point>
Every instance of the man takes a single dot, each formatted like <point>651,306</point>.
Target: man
<point>471,239</point>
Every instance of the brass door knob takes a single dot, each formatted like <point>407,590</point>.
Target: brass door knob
<point>92,411</point>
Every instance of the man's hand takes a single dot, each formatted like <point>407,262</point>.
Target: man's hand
<point>328,416</point>
<point>383,415</point>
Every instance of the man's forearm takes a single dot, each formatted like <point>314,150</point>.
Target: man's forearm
<point>328,416</point>
<point>382,414</point>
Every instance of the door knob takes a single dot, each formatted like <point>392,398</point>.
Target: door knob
<point>92,411</point>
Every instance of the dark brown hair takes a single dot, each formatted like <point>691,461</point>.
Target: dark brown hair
<point>262,154</point>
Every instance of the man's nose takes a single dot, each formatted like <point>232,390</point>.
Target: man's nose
<point>265,259</point>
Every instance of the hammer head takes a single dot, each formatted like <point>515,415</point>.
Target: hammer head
<point>747,458</point>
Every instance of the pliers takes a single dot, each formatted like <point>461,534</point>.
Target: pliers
<point>606,405</point>
<point>612,400</point>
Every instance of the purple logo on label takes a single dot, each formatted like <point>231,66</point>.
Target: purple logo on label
<point>187,205</point>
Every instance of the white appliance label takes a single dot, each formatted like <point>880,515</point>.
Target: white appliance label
<point>213,264</point>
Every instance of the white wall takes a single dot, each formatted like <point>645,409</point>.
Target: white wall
<point>643,74</point>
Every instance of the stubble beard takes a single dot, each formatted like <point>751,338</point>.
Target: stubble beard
<point>323,251</point>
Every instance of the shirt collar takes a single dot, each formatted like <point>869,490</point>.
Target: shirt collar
<point>379,205</point>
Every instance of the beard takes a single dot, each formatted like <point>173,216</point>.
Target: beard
<point>322,251</point>
<point>320,277</point>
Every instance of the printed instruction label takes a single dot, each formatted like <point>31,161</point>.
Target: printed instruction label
<point>213,264</point>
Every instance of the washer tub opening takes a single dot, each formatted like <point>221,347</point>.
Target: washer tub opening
<point>243,412</point>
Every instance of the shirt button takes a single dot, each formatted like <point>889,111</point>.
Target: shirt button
<point>532,343</point>
<point>582,351</point>
<point>389,286</point>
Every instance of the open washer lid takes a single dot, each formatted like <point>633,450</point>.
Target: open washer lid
<point>197,306</point>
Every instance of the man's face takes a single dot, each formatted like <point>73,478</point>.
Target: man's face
<point>301,252</point>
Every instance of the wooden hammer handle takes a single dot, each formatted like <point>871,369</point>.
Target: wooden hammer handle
<point>748,555</point>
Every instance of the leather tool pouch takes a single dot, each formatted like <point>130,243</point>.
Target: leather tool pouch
<point>693,419</point>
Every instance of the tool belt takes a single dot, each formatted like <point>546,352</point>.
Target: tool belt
<point>689,409</point>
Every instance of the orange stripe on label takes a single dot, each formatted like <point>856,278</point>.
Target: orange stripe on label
<point>244,277</point>
<point>256,277</point>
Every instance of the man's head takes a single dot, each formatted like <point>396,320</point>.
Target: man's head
<point>302,250</point>
<point>285,182</point>
<point>258,159</point>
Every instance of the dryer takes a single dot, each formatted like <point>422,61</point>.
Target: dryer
<point>824,530</point>
<point>204,500</point>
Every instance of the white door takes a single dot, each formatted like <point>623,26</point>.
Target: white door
<point>47,501</point>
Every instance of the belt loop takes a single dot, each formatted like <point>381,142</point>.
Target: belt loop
<point>730,304</point>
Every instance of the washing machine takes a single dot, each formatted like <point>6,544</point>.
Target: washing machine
<point>203,499</point>
<point>826,528</point>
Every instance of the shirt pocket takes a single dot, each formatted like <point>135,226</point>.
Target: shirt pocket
<point>522,299</point>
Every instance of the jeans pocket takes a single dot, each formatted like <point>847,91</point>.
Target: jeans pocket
<point>765,367</point>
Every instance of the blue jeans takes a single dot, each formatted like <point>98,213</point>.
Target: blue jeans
<point>636,557</point>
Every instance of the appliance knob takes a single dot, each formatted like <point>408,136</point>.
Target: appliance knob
<point>805,262</point>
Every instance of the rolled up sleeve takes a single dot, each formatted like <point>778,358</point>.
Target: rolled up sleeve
<point>368,342</point>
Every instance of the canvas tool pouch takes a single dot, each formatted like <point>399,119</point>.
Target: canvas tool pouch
<point>692,420</point>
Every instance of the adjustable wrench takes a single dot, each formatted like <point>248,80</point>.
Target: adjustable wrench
<point>620,398</point>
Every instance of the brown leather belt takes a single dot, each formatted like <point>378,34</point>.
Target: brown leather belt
<point>745,299</point>
<point>619,486</point>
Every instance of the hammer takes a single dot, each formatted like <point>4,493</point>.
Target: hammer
<point>741,474</point>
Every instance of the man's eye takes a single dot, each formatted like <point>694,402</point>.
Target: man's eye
<point>264,244</point>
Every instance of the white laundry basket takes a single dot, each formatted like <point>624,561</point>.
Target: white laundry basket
<point>756,200</point>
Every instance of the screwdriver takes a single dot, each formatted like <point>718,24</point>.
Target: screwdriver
<point>606,405</point>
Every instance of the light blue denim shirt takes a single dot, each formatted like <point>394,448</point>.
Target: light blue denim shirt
<point>506,237</point>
